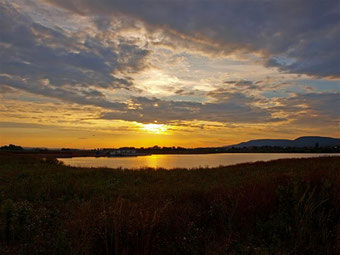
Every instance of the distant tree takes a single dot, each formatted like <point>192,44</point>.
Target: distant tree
<point>11,147</point>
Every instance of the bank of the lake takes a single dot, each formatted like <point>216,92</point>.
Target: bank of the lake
<point>286,206</point>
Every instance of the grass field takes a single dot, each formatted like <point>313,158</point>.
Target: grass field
<point>279,207</point>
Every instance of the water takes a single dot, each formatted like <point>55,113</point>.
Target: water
<point>182,161</point>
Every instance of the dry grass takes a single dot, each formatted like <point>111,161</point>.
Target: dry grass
<point>277,207</point>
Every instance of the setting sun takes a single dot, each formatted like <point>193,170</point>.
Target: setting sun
<point>155,128</point>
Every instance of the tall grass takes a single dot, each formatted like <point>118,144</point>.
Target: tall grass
<point>277,207</point>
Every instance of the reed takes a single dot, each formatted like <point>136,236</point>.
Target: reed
<point>279,207</point>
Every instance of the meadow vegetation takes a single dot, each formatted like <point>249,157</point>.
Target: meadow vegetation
<point>278,207</point>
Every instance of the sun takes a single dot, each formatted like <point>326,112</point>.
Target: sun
<point>154,128</point>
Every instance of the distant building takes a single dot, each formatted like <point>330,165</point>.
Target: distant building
<point>123,152</point>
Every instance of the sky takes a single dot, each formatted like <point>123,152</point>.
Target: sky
<point>191,73</point>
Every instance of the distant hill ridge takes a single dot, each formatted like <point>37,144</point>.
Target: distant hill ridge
<point>304,141</point>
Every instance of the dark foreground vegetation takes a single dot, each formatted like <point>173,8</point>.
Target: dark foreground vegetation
<point>278,207</point>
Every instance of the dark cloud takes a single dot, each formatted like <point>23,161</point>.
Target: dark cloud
<point>312,110</point>
<point>238,110</point>
<point>179,92</point>
<point>6,89</point>
<point>224,95</point>
<point>73,95</point>
<point>55,63</point>
<point>320,105</point>
<point>243,84</point>
<point>296,36</point>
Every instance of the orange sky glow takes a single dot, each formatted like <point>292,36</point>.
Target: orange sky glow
<point>84,76</point>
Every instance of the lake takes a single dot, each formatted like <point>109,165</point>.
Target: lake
<point>182,160</point>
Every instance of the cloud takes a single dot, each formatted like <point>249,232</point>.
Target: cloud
<point>295,36</point>
<point>61,64</point>
<point>237,110</point>
<point>22,125</point>
<point>82,97</point>
<point>92,63</point>
<point>313,110</point>
<point>225,95</point>
<point>243,84</point>
<point>318,105</point>
<point>6,89</point>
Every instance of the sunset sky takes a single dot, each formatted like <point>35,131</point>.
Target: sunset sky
<point>110,73</point>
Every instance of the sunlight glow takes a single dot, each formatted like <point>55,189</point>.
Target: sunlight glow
<point>154,128</point>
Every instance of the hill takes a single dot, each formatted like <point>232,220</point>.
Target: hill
<point>304,141</point>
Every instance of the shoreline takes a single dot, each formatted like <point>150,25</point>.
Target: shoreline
<point>58,154</point>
